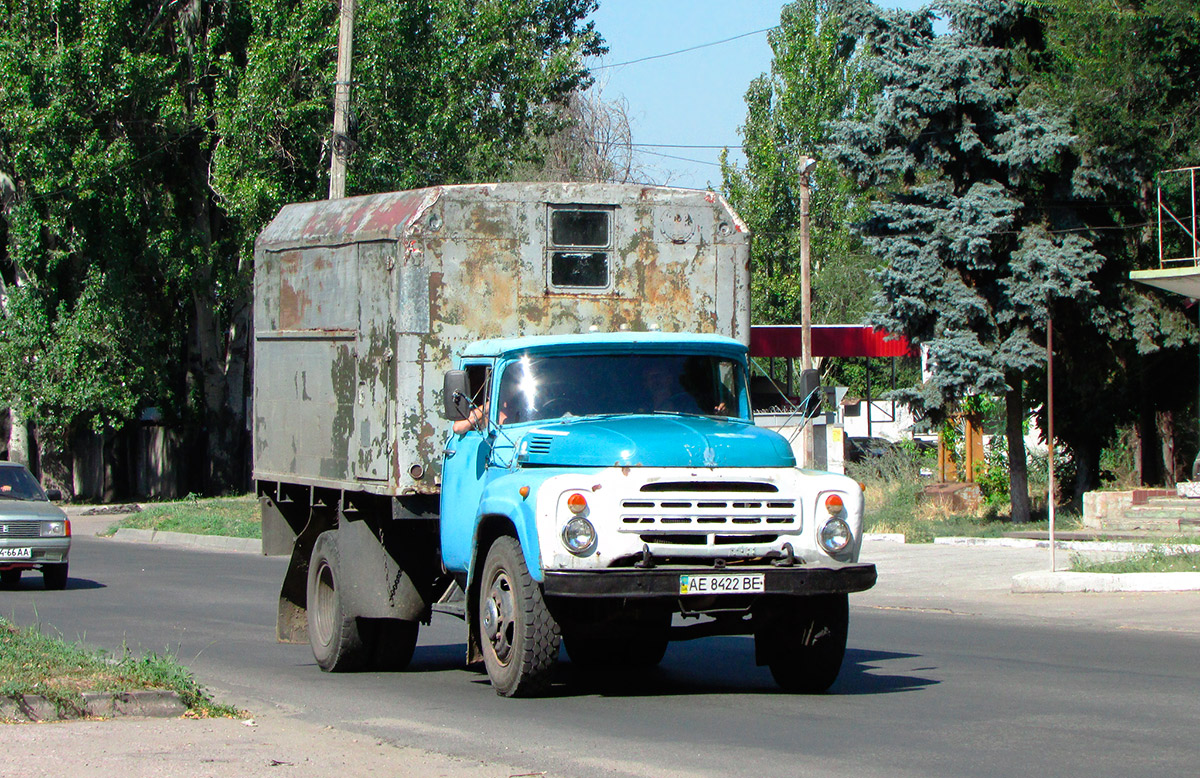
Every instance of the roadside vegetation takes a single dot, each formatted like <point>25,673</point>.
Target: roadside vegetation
<point>1157,560</point>
<point>235,517</point>
<point>893,484</point>
<point>32,663</point>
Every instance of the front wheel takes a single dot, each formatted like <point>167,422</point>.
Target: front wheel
<point>519,636</point>
<point>54,577</point>
<point>10,579</point>
<point>804,642</point>
<point>335,636</point>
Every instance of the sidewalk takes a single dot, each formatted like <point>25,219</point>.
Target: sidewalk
<point>978,580</point>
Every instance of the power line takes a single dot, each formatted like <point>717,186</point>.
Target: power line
<point>683,51</point>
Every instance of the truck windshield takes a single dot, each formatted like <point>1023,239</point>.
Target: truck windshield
<point>540,388</point>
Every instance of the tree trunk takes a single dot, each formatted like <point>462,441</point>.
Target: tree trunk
<point>1166,434</point>
<point>18,437</point>
<point>222,357</point>
<point>57,465</point>
<point>1014,429</point>
<point>1087,471</point>
<point>1149,453</point>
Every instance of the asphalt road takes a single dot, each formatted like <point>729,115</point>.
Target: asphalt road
<point>922,693</point>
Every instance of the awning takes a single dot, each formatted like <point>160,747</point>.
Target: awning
<point>828,340</point>
<point>1182,280</point>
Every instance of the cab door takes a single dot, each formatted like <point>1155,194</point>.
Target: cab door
<point>464,467</point>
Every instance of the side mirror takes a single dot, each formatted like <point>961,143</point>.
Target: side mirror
<point>810,392</point>
<point>456,395</point>
<point>53,495</point>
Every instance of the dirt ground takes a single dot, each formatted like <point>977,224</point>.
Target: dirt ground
<point>273,746</point>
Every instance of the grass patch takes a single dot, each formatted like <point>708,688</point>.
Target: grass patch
<point>235,517</point>
<point>1156,560</point>
<point>34,663</point>
<point>892,483</point>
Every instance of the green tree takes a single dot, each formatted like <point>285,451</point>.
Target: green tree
<point>149,142</point>
<point>1126,74</point>
<point>977,242</point>
<point>815,77</point>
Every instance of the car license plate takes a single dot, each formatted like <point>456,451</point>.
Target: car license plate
<point>722,583</point>
<point>16,553</point>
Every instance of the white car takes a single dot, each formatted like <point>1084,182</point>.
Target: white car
<point>34,532</point>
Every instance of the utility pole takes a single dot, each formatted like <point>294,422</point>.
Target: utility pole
<point>806,355</point>
<point>806,166</point>
<point>340,144</point>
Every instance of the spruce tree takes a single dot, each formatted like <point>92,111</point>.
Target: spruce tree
<point>976,239</point>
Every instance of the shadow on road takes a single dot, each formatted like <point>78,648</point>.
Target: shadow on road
<point>33,582</point>
<point>720,665</point>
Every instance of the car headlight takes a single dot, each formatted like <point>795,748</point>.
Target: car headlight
<point>55,529</point>
<point>579,536</point>
<point>835,536</point>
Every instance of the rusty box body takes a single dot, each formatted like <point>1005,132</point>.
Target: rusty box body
<point>361,304</point>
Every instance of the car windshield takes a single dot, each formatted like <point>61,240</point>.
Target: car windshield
<point>541,388</point>
<point>16,483</point>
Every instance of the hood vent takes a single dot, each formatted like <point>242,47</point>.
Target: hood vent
<point>539,445</point>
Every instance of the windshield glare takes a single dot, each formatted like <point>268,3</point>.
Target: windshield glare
<point>541,388</point>
<point>16,483</point>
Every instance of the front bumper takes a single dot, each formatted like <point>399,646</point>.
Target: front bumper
<point>664,581</point>
<point>44,551</point>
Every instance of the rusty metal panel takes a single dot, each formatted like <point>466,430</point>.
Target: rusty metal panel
<point>349,220</point>
<point>304,404</point>
<point>375,352</point>
<point>361,304</point>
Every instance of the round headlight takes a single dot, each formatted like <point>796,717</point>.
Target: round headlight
<point>835,536</point>
<point>579,536</point>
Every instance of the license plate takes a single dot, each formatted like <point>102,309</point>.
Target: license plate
<point>16,553</point>
<point>722,583</point>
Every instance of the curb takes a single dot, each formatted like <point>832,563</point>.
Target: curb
<point>1046,582</point>
<point>885,537</point>
<point>203,542</point>
<point>1068,545</point>
<point>146,703</point>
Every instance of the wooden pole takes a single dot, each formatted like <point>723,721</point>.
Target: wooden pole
<point>340,146</point>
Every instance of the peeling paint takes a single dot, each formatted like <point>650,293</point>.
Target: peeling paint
<point>361,304</point>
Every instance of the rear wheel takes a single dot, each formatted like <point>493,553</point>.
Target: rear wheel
<point>55,576</point>
<point>335,636</point>
<point>519,636</point>
<point>394,642</point>
<point>10,579</point>
<point>804,642</point>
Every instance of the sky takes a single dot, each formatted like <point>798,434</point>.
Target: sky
<point>692,99</point>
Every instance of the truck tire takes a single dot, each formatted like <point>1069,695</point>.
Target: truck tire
<point>394,642</point>
<point>804,644</point>
<point>519,636</point>
<point>54,577</point>
<point>335,636</point>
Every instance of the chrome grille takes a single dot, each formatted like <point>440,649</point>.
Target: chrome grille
<point>739,515</point>
<point>19,529</point>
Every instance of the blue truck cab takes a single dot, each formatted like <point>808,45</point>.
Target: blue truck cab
<point>597,488</point>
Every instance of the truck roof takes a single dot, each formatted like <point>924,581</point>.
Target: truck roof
<point>633,341</point>
<point>391,215</point>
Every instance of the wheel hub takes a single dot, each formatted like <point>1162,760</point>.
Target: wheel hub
<point>498,616</point>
